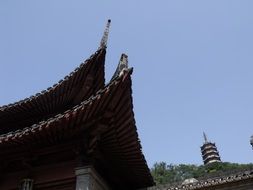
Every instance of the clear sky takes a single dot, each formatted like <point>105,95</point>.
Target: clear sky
<point>192,60</point>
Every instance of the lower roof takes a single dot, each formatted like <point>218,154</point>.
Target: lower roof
<point>214,183</point>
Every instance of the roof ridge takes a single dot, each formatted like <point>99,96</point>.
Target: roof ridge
<point>215,180</point>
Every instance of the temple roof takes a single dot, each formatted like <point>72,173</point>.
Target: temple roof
<point>118,141</point>
<point>80,109</point>
<point>20,134</point>
<point>216,182</point>
<point>80,84</point>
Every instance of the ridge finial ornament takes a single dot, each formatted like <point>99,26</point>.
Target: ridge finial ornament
<point>104,39</point>
<point>123,65</point>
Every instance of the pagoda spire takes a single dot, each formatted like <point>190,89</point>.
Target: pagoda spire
<point>205,137</point>
<point>123,64</point>
<point>104,39</point>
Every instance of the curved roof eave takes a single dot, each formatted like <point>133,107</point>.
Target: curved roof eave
<point>84,81</point>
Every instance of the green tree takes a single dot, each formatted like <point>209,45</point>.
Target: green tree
<point>164,173</point>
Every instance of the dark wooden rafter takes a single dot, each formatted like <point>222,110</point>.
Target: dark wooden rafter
<point>123,145</point>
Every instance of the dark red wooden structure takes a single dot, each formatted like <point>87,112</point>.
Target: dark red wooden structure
<point>77,122</point>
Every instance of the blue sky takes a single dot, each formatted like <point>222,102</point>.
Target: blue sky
<point>192,62</point>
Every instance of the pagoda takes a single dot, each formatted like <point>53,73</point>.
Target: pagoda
<point>251,141</point>
<point>209,152</point>
<point>79,134</point>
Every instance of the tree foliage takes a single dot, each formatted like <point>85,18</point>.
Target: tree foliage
<point>164,173</point>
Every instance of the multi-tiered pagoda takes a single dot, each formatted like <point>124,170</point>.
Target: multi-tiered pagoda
<point>209,152</point>
<point>78,134</point>
<point>251,141</point>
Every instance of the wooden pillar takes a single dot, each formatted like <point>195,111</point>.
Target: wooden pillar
<point>88,179</point>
